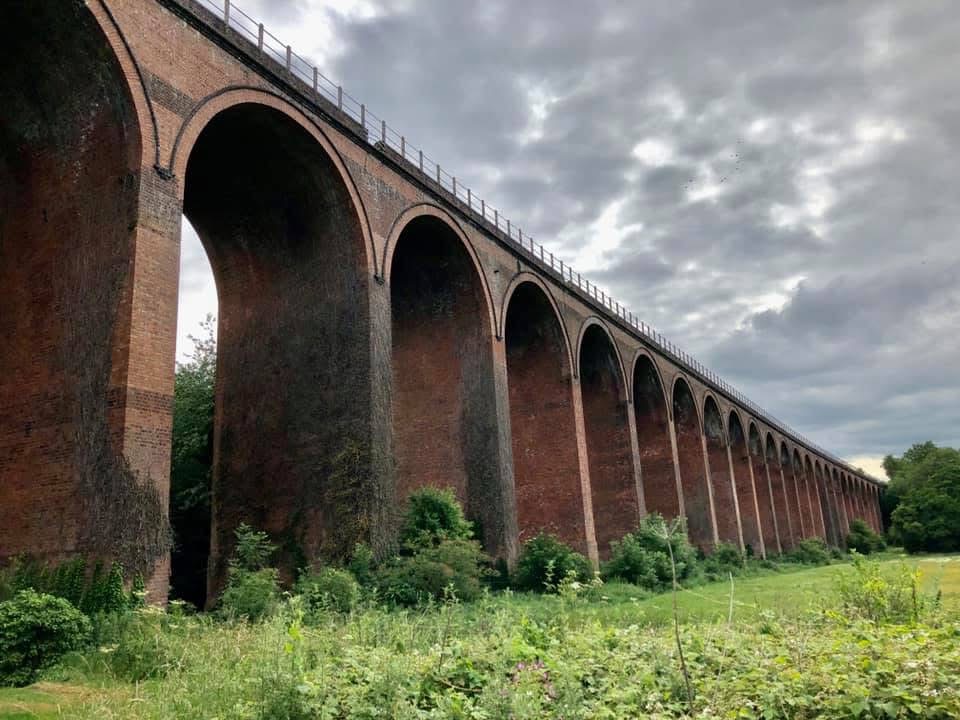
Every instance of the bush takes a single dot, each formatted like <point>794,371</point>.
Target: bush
<point>329,589</point>
<point>643,557</point>
<point>458,564</point>
<point>863,539</point>
<point>544,561</point>
<point>138,645</point>
<point>812,551</point>
<point>433,515</point>
<point>253,589</point>
<point>726,558</point>
<point>36,630</point>
<point>882,598</point>
<point>362,565</point>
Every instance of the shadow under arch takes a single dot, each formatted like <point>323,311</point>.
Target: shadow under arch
<point>781,493</point>
<point>746,486</point>
<point>445,417</point>
<point>294,401</point>
<point>549,493</point>
<point>725,505</point>
<point>661,490</point>
<point>615,494</point>
<point>764,488</point>
<point>697,500</point>
<point>71,149</point>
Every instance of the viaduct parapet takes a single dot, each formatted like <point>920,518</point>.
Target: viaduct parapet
<point>380,327</point>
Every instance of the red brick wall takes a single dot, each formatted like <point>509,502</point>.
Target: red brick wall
<point>545,459</point>
<point>616,509</point>
<point>747,493</point>
<point>724,503</point>
<point>781,499</point>
<point>653,441</point>
<point>696,495</point>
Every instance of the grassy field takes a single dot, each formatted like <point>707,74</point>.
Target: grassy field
<point>388,641</point>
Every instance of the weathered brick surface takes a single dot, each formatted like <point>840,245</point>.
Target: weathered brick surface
<point>133,112</point>
<point>693,473</point>
<point>747,492</point>
<point>616,508</point>
<point>724,500</point>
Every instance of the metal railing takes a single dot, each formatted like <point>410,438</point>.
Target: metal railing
<point>383,137</point>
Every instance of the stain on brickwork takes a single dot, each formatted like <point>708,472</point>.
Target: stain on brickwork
<point>616,509</point>
<point>764,490</point>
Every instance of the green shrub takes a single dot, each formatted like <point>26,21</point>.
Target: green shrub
<point>812,551</point>
<point>99,591</point>
<point>362,565</point>
<point>891,597</point>
<point>726,558</point>
<point>36,630</point>
<point>863,539</point>
<point>544,561</point>
<point>643,556</point>
<point>253,589</point>
<point>433,515</point>
<point>457,564</point>
<point>328,589</point>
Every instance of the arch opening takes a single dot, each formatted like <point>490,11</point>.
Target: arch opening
<point>747,496</point>
<point>546,467</point>
<point>779,483</point>
<point>693,473</point>
<point>653,441</point>
<point>293,404</point>
<point>724,497</point>
<point>444,402</point>
<point>791,480</point>
<point>820,509</point>
<point>805,478</point>
<point>613,487</point>
<point>764,490</point>
<point>843,526</point>
<point>75,477</point>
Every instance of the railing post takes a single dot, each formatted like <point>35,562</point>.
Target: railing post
<point>421,161</point>
<point>226,12</point>
<point>508,227</point>
<point>454,188</point>
<point>316,83</point>
<point>363,117</point>
<point>260,38</point>
<point>438,175</point>
<point>483,208</point>
<point>339,97</point>
<point>383,131</point>
<point>289,56</point>
<point>403,147</point>
<point>469,199</point>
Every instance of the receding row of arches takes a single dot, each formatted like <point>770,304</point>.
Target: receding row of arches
<point>325,382</point>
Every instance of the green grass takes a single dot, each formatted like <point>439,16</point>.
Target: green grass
<point>205,653</point>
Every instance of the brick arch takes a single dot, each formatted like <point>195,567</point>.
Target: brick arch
<point>748,500</point>
<point>827,519</point>
<point>548,470</point>
<point>71,177</point>
<point>779,482</point>
<point>793,488</point>
<point>615,492</point>
<point>596,321</point>
<point>430,210</point>
<point>769,522</point>
<point>528,277</point>
<point>652,415</point>
<point>280,222</point>
<point>843,522</point>
<point>694,479</point>
<point>725,501</point>
<point>230,97</point>
<point>443,377</point>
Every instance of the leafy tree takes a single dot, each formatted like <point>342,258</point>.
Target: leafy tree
<point>896,469</point>
<point>927,516</point>
<point>190,466</point>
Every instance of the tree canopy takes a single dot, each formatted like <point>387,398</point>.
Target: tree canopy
<point>923,498</point>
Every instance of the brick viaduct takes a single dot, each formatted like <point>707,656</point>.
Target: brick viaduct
<point>377,331</point>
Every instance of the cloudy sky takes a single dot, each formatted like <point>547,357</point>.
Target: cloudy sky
<point>770,183</point>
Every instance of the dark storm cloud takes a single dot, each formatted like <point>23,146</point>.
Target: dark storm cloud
<point>791,167</point>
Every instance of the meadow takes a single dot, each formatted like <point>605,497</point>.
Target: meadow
<point>790,642</point>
